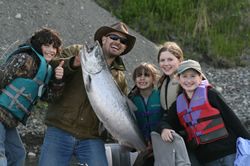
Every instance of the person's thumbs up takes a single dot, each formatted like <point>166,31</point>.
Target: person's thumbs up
<point>61,63</point>
<point>59,71</point>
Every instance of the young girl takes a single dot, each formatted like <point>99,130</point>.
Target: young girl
<point>169,58</point>
<point>211,126</point>
<point>147,100</point>
<point>23,80</point>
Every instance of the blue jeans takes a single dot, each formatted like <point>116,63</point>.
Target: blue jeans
<point>12,151</point>
<point>59,146</point>
<point>224,161</point>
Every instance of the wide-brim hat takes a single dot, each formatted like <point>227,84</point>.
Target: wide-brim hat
<point>190,64</point>
<point>118,27</point>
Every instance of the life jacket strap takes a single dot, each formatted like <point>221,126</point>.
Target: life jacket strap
<point>196,121</point>
<point>39,82</point>
<point>211,137</point>
<point>20,92</point>
<point>15,100</point>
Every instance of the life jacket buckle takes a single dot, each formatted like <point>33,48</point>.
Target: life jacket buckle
<point>40,90</point>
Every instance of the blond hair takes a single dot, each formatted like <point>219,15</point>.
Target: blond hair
<point>173,48</point>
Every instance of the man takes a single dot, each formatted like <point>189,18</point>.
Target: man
<point>72,124</point>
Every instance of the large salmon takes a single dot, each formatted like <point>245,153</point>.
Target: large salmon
<point>108,102</point>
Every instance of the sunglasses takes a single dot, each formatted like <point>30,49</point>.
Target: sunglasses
<point>116,37</point>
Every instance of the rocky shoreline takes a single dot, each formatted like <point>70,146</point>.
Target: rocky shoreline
<point>233,83</point>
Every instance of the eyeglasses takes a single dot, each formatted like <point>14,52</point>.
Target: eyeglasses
<point>116,37</point>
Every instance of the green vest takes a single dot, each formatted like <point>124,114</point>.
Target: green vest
<point>148,114</point>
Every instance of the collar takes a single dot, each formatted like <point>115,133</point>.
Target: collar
<point>118,64</point>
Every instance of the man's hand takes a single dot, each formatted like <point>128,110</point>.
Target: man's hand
<point>77,61</point>
<point>59,71</point>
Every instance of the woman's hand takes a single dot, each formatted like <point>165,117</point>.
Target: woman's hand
<point>167,135</point>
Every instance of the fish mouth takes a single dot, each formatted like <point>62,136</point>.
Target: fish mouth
<point>92,58</point>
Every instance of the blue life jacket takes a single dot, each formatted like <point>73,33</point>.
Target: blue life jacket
<point>21,94</point>
<point>148,114</point>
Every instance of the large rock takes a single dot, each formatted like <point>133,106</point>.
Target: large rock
<point>75,20</point>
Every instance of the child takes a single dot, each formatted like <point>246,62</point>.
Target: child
<point>211,126</point>
<point>169,58</point>
<point>23,80</point>
<point>147,100</point>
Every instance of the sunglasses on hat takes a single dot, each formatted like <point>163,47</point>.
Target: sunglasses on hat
<point>116,37</point>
